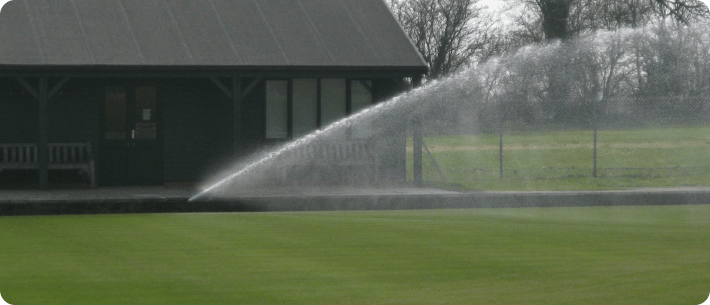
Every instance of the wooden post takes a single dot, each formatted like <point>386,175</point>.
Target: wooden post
<point>236,114</point>
<point>43,137</point>
<point>43,95</point>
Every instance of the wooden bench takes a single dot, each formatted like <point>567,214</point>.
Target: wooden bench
<point>347,158</point>
<point>61,156</point>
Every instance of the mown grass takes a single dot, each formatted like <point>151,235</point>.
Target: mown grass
<point>592,255</point>
<point>563,160</point>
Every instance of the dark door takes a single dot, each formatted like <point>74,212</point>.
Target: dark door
<point>130,153</point>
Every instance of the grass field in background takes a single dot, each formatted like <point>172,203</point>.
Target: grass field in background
<point>563,160</point>
<point>591,255</point>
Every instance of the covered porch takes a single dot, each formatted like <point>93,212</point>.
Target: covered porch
<point>146,128</point>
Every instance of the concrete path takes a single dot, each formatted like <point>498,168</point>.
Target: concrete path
<point>175,199</point>
<point>96,195</point>
<point>407,198</point>
<point>184,193</point>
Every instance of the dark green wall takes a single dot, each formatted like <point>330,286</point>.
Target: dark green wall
<point>73,113</point>
<point>197,124</point>
<point>18,113</point>
<point>195,116</point>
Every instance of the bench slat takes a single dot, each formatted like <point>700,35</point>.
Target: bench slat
<point>61,156</point>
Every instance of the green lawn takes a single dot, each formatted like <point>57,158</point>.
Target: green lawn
<point>563,160</point>
<point>609,255</point>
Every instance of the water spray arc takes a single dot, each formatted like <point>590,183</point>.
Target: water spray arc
<point>399,101</point>
<point>508,92</point>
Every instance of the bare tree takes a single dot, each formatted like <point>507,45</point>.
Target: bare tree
<point>548,20</point>
<point>561,19</point>
<point>613,14</point>
<point>555,15</point>
<point>675,65</point>
<point>448,33</point>
<point>683,11</point>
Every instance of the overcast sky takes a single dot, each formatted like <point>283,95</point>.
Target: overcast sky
<point>494,7</point>
<point>491,3</point>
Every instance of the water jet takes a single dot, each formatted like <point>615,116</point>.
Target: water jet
<point>506,93</point>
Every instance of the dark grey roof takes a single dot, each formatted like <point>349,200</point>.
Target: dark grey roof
<point>223,33</point>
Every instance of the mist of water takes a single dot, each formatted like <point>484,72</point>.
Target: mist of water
<point>334,130</point>
<point>596,70</point>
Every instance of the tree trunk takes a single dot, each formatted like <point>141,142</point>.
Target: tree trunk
<point>555,15</point>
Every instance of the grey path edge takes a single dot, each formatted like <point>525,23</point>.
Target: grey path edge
<point>471,200</point>
<point>354,202</point>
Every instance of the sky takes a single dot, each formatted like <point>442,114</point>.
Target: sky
<point>492,4</point>
<point>494,9</point>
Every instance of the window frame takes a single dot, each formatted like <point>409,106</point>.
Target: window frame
<point>289,102</point>
<point>319,103</point>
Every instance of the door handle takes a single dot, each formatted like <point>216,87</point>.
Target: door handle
<point>133,134</point>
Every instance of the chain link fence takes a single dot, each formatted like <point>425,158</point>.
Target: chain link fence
<point>631,143</point>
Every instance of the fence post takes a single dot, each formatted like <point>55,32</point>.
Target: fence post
<point>595,126</point>
<point>417,138</point>
<point>417,147</point>
<point>500,152</point>
<point>595,150</point>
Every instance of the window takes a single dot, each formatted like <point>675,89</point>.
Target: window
<point>297,107</point>
<point>276,109</point>
<point>361,94</point>
<point>332,100</point>
<point>361,98</point>
<point>116,101</point>
<point>146,127</point>
<point>305,106</point>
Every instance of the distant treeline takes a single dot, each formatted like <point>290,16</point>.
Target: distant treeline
<point>655,75</point>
